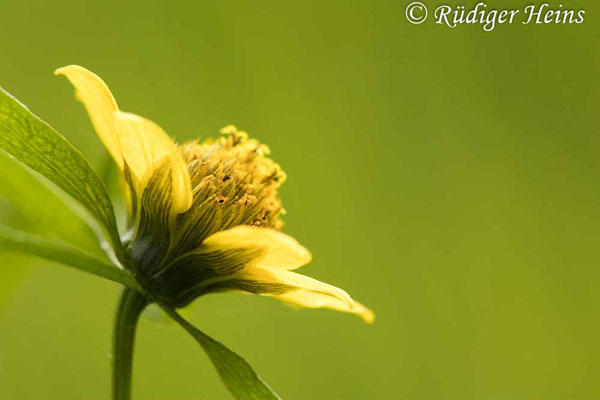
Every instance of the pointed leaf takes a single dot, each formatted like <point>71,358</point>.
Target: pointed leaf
<point>22,242</point>
<point>37,145</point>
<point>29,205</point>
<point>237,375</point>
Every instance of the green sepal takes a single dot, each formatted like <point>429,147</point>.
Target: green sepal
<point>22,242</point>
<point>236,373</point>
<point>37,145</point>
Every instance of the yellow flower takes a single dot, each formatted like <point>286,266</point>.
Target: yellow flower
<point>203,217</point>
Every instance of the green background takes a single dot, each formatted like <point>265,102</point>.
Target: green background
<point>447,178</point>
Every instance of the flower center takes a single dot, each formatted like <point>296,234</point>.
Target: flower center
<point>234,173</point>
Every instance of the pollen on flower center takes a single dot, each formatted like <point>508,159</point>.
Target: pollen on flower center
<point>233,183</point>
<point>234,172</point>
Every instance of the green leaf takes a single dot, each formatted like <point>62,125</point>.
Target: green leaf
<point>29,205</point>
<point>22,242</point>
<point>237,375</point>
<point>37,145</point>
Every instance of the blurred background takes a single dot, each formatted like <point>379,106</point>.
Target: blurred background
<point>447,178</point>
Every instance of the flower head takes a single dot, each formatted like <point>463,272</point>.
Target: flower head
<point>203,216</point>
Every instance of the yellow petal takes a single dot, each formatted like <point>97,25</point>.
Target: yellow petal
<point>144,146</point>
<point>282,251</point>
<point>308,299</point>
<point>100,105</point>
<point>143,143</point>
<point>262,275</point>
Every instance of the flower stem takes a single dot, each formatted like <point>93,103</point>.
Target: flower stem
<point>130,308</point>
